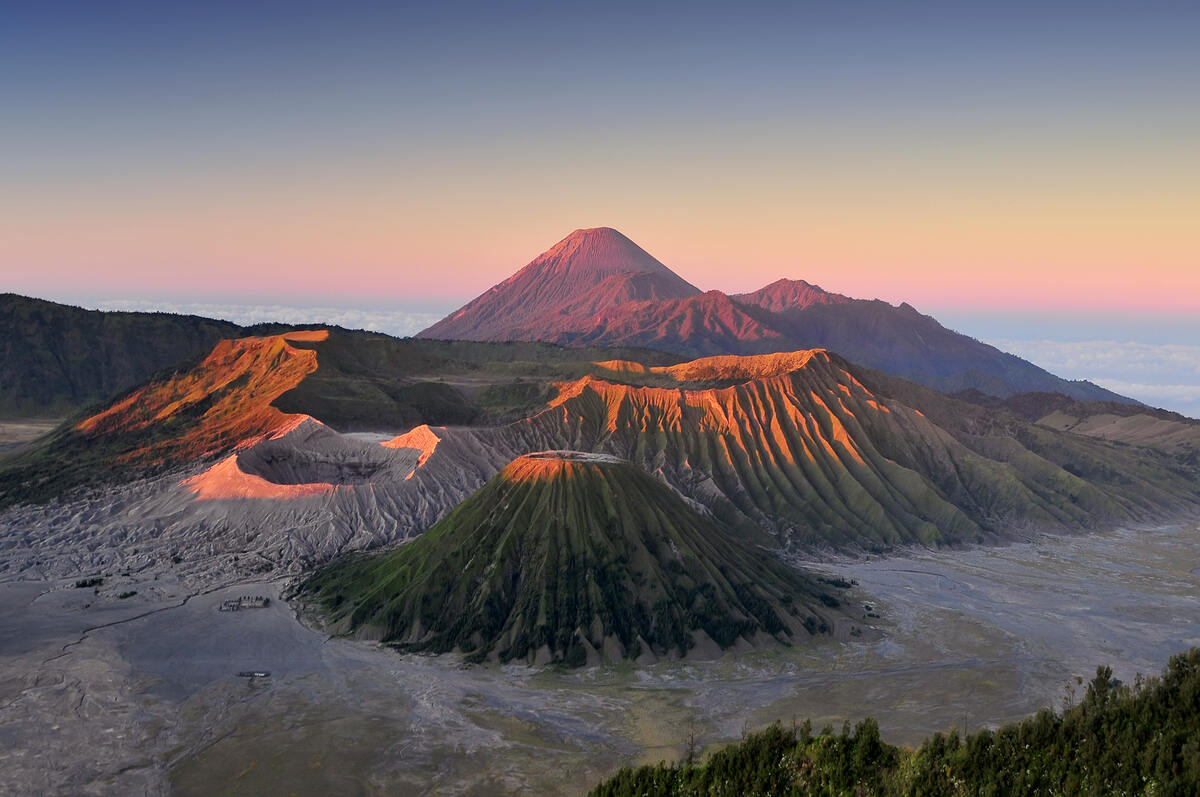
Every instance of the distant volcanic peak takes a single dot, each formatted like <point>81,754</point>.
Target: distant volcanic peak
<point>587,272</point>
<point>599,250</point>
<point>588,258</point>
<point>787,294</point>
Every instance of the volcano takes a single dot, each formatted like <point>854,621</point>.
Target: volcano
<point>573,557</point>
<point>598,288</point>
<point>583,274</point>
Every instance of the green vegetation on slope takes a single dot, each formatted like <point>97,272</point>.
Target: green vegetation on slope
<point>1119,740</point>
<point>827,455</point>
<point>568,559</point>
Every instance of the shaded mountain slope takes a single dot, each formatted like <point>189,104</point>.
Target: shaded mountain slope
<point>1134,424</point>
<point>570,295</point>
<point>572,557</point>
<point>708,323</point>
<point>55,359</point>
<point>904,342</point>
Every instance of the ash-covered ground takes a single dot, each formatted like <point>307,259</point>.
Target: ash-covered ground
<point>102,694</point>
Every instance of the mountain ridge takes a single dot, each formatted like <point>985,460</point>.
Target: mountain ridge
<point>786,315</point>
<point>56,358</point>
<point>801,451</point>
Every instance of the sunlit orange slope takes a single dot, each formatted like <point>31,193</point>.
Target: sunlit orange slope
<point>786,408</point>
<point>222,403</point>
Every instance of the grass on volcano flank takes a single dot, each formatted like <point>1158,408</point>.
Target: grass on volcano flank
<point>562,563</point>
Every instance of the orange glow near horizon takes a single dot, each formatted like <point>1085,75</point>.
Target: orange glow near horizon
<point>970,155</point>
<point>1033,227</point>
<point>936,257</point>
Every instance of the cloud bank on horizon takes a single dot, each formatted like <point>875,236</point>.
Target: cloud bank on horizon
<point>1161,375</point>
<point>398,323</point>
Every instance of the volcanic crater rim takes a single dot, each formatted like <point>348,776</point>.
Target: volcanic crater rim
<point>565,455</point>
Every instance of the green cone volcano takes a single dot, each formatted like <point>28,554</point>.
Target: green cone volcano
<point>572,557</point>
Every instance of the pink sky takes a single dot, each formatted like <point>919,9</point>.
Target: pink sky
<point>968,157</point>
<point>931,258</point>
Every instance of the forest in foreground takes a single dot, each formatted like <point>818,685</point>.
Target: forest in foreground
<point>1118,739</point>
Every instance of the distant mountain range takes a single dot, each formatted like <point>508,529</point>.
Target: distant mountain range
<point>598,288</point>
<point>572,483</point>
<point>799,449</point>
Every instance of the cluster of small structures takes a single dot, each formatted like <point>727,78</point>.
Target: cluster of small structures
<point>245,602</point>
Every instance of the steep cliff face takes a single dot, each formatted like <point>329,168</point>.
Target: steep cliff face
<point>796,444</point>
<point>571,557</point>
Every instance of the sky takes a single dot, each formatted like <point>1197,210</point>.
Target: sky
<point>1006,164</point>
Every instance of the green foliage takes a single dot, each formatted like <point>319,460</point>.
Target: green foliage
<point>600,555</point>
<point>1119,740</point>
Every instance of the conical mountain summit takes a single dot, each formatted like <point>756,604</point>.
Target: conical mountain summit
<point>581,275</point>
<point>574,557</point>
<point>598,288</point>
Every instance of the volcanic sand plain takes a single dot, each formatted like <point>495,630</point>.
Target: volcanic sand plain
<point>141,695</point>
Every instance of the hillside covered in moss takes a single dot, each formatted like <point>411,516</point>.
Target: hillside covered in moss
<point>572,558</point>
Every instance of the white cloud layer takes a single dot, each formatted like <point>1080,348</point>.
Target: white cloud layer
<point>400,323</point>
<point>1164,375</point>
